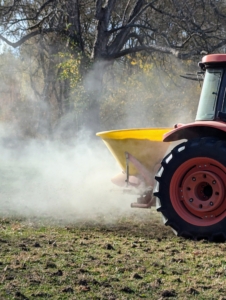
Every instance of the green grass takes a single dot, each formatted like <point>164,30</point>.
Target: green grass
<point>134,258</point>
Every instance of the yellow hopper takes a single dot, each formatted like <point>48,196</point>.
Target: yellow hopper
<point>144,144</point>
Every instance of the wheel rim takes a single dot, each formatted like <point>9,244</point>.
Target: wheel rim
<point>197,191</point>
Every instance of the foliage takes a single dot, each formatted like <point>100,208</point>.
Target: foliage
<point>70,68</point>
<point>138,93</point>
<point>18,103</point>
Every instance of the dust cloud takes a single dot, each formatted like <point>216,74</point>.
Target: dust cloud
<point>66,182</point>
<point>71,181</point>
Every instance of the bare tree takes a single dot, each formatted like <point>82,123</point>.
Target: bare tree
<point>178,27</point>
<point>107,30</point>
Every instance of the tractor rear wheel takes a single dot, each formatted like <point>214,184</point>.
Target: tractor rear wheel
<point>191,189</point>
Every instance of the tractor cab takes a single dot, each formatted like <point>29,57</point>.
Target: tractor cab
<point>212,103</point>
<point>211,113</point>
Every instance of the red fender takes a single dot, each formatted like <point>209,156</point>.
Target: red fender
<point>196,129</point>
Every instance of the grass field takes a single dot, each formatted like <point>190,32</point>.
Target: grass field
<point>64,235</point>
<point>135,257</point>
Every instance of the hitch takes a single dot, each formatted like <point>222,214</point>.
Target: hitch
<point>146,199</point>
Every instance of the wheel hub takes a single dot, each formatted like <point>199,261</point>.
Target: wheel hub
<point>202,191</point>
<point>197,191</point>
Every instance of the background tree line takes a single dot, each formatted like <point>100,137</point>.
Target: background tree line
<point>103,64</point>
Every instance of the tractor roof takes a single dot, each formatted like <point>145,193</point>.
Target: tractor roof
<point>214,58</point>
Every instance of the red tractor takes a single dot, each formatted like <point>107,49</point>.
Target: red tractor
<point>190,180</point>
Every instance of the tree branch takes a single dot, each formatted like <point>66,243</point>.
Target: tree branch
<point>162,49</point>
<point>26,37</point>
<point>125,11</point>
<point>129,26</point>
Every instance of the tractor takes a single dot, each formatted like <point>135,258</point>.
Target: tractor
<point>181,170</point>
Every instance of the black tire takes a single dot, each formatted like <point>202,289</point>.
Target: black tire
<point>190,189</point>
